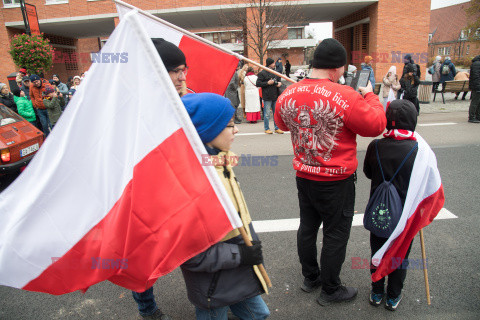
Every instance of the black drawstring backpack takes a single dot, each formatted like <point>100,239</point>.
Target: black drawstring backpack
<point>384,208</point>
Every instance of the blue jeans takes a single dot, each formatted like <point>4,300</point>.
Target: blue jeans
<point>44,120</point>
<point>254,308</point>
<point>267,105</point>
<point>146,302</point>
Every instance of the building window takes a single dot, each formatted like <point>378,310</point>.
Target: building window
<point>430,37</point>
<point>447,50</point>
<point>295,33</point>
<point>468,50</point>
<point>55,1</point>
<point>11,3</point>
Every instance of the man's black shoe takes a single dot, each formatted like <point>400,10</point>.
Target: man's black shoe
<point>342,294</point>
<point>473,120</point>
<point>311,285</point>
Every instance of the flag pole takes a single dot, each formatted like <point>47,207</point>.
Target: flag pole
<point>260,266</point>
<point>425,272</point>
<point>196,37</point>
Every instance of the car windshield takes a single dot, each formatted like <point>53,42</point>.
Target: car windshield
<point>7,116</point>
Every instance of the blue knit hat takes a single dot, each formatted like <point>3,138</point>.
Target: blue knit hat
<point>34,77</point>
<point>210,113</point>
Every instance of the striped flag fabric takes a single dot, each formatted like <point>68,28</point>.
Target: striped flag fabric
<point>117,192</point>
<point>424,200</point>
<point>209,69</point>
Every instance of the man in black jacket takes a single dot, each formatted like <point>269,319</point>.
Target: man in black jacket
<point>270,84</point>
<point>474,85</point>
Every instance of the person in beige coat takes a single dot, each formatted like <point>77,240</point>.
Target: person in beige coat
<point>462,76</point>
<point>390,81</point>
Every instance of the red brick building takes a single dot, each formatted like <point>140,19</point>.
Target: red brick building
<point>385,29</point>
<point>447,36</point>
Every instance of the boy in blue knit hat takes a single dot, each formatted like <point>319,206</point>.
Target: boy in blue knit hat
<point>225,276</point>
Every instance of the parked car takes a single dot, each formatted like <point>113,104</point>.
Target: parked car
<point>19,141</point>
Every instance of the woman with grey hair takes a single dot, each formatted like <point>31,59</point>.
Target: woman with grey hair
<point>436,72</point>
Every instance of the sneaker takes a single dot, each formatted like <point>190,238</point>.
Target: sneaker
<point>473,120</point>
<point>311,285</point>
<point>392,304</point>
<point>342,294</point>
<point>268,131</point>
<point>157,315</point>
<point>279,131</point>
<point>376,298</point>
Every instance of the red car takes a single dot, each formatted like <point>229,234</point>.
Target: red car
<point>19,141</point>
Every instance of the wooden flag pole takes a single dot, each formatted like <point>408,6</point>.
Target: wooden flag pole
<point>260,266</point>
<point>425,272</point>
<point>196,37</point>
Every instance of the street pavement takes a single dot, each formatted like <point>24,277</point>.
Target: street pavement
<point>270,192</point>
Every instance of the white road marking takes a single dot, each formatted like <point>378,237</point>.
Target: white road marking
<point>292,224</point>
<point>436,124</point>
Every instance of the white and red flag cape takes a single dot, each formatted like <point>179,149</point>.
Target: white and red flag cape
<point>209,69</point>
<point>117,192</point>
<point>424,200</point>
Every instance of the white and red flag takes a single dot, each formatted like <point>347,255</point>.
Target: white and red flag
<point>117,192</point>
<point>209,69</point>
<point>424,200</point>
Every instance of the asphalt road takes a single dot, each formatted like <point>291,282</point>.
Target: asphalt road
<point>452,244</point>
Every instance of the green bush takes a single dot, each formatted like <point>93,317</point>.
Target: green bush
<point>33,53</point>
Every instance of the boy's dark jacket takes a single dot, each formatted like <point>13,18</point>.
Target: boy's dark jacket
<point>54,108</point>
<point>400,115</point>
<point>215,278</point>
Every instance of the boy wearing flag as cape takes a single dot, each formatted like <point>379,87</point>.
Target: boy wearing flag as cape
<point>225,276</point>
<point>400,142</point>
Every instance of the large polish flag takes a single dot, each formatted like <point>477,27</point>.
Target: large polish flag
<point>209,69</point>
<point>424,200</point>
<point>117,192</point>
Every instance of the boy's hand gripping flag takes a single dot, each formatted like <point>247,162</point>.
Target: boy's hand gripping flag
<point>117,192</point>
<point>209,69</point>
<point>424,200</point>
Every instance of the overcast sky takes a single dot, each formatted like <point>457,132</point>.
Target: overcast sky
<point>324,30</point>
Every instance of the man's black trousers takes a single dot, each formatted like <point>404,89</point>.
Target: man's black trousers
<point>330,203</point>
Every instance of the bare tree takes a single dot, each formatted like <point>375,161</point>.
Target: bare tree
<point>264,24</point>
<point>472,30</point>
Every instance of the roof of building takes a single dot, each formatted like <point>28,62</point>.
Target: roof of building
<point>447,23</point>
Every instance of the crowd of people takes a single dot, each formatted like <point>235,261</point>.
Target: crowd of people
<point>253,92</point>
<point>225,276</point>
<point>38,100</point>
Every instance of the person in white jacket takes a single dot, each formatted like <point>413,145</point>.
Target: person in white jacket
<point>252,97</point>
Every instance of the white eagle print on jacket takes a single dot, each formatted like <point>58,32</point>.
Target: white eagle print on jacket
<point>312,140</point>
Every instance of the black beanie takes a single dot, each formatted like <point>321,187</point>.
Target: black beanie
<point>329,54</point>
<point>269,61</point>
<point>170,54</point>
<point>401,114</point>
<point>409,68</point>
